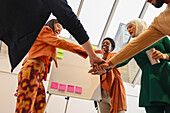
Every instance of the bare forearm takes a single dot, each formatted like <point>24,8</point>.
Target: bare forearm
<point>94,59</point>
<point>88,47</point>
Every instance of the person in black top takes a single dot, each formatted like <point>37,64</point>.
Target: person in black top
<point>22,20</point>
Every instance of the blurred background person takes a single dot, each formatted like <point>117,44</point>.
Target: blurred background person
<point>112,88</point>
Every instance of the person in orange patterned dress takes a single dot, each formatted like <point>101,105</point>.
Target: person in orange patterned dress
<point>31,93</point>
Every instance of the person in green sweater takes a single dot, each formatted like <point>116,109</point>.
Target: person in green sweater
<point>155,85</point>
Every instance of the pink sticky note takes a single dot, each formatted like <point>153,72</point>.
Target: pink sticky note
<point>78,90</point>
<point>62,87</point>
<point>70,88</point>
<point>54,85</point>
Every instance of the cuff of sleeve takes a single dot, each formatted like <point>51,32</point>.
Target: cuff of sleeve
<point>83,40</point>
<point>168,55</point>
<point>111,64</point>
<point>114,62</point>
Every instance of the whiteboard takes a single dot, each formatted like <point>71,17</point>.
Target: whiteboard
<point>72,73</point>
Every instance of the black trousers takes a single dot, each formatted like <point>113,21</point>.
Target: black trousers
<point>158,109</point>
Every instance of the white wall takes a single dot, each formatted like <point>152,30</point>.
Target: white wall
<point>57,104</point>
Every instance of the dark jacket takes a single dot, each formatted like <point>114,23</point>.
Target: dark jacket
<point>22,20</point>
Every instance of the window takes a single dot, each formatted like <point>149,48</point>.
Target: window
<point>126,10</point>
<point>152,12</point>
<point>94,16</point>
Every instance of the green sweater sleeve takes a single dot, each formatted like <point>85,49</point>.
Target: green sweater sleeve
<point>166,43</point>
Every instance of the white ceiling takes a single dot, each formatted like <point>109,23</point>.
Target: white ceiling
<point>101,18</point>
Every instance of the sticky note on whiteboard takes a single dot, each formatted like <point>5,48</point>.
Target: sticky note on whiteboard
<point>62,87</point>
<point>60,50</point>
<point>63,38</point>
<point>54,85</point>
<point>70,88</point>
<point>59,56</point>
<point>94,47</point>
<point>78,90</point>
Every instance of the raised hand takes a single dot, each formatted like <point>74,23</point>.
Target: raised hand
<point>94,59</point>
<point>99,69</point>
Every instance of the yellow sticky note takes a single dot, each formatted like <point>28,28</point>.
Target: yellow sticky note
<point>94,47</point>
<point>59,56</point>
<point>63,38</point>
<point>61,51</point>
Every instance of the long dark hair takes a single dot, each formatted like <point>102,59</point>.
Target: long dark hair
<point>51,23</point>
<point>111,41</point>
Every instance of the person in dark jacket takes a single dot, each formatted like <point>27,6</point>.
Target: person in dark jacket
<point>22,20</point>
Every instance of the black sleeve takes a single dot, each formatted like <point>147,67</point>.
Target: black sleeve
<point>68,19</point>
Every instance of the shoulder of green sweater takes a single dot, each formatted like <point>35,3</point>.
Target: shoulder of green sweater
<point>166,38</point>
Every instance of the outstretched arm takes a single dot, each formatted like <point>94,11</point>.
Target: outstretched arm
<point>105,67</point>
<point>69,20</point>
<point>94,59</point>
<point>144,40</point>
<point>49,37</point>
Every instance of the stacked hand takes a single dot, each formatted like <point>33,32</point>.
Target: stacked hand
<point>100,69</point>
